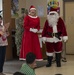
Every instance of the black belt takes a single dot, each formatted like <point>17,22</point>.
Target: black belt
<point>57,35</point>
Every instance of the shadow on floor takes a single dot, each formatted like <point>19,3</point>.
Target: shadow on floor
<point>15,65</point>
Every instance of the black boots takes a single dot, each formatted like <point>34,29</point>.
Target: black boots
<point>58,59</point>
<point>49,58</point>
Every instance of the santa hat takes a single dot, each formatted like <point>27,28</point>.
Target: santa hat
<point>54,10</point>
<point>32,7</point>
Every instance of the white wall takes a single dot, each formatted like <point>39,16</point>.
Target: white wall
<point>61,8</point>
<point>38,3</point>
<point>22,4</point>
<point>0,4</point>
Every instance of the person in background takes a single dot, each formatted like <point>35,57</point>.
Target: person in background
<point>30,40</point>
<point>53,34</point>
<point>28,68</point>
<point>3,43</point>
<point>63,56</point>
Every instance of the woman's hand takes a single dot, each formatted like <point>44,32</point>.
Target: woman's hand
<point>33,30</point>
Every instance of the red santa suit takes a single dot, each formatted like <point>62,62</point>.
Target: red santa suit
<point>53,34</point>
<point>49,32</point>
<point>30,40</point>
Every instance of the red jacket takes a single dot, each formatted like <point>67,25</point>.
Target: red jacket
<point>60,28</point>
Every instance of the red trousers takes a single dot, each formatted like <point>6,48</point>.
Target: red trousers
<point>53,47</point>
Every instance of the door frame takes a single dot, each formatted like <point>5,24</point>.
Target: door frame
<point>64,1</point>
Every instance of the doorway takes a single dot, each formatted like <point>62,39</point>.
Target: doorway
<point>69,21</point>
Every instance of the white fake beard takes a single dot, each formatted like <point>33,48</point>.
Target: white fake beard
<point>52,19</point>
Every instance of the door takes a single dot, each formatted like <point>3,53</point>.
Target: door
<point>69,20</point>
<point>6,19</point>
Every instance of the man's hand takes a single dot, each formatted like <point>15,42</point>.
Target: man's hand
<point>65,38</point>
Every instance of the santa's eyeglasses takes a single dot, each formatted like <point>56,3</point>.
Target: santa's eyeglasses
<point>52,13</point>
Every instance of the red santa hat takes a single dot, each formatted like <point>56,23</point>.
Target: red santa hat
<point>54,10</point>
<point>32,7</point>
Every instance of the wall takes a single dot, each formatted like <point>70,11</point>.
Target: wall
<point>44,4</point>
<point>28,3</point>
<point>37,3</point>
<point>69,21</point>
<point>61,8</point>
<point>22,4</point>
<point>0,5</point>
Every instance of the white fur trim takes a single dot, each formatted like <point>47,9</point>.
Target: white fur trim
<point>22,59</point>
<point>49,54</point>
<point>32,8</point>
<point>53,12</point>
<point>65,38</point>
<point>36,59</point>
<point>39,59</point>
<point>54,29</point>
<point>30,29</point>
<point>58,52</point>
<point>32,16</point>
<point>54,39</point>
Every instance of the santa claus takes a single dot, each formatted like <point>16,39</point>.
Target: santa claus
<point>53,34</point>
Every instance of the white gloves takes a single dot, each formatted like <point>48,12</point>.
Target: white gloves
<point>33,30</point>
<point>44,39</point>
<point>65,38</point>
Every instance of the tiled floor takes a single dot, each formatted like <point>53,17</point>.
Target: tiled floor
<point>66,69</point>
